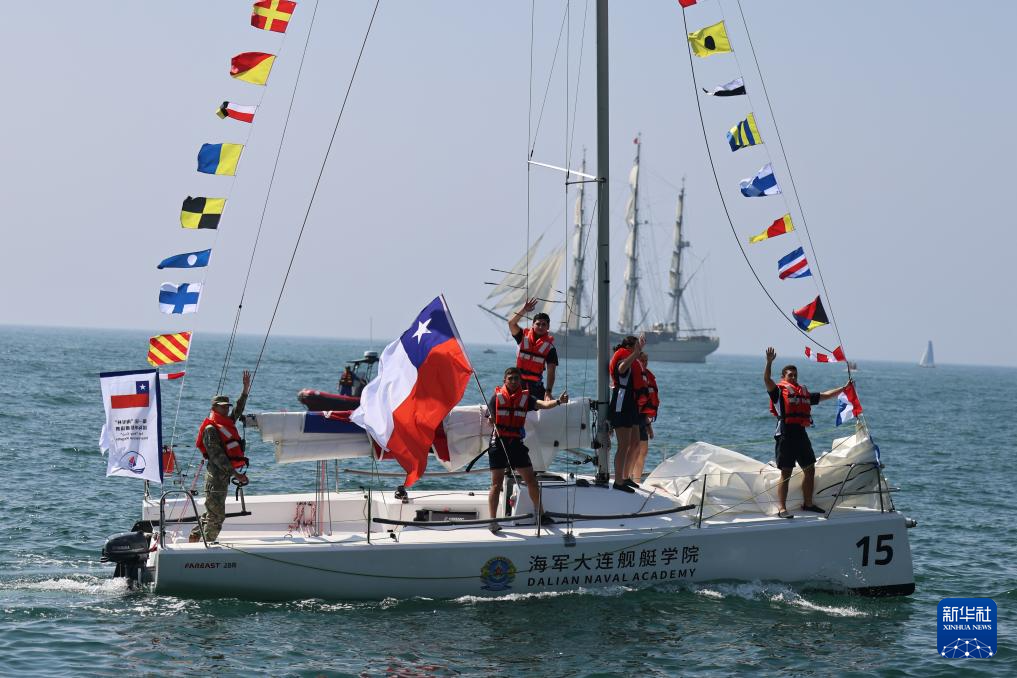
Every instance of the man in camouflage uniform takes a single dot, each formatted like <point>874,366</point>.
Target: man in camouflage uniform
<point>219,469</point>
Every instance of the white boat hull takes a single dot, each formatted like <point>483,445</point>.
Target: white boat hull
<point>860,550</point>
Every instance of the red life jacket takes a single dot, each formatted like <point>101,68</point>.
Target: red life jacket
<point>510,411</point>
<point>797,404</point>
<point>531,358</point>
<point>634,377</point>
<point>649,398</point>
<point>229,436</point>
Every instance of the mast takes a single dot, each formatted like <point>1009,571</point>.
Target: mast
<point>675,274</point>
<point>603,248</point>
<point>626,313</point>
<point>574,298</point>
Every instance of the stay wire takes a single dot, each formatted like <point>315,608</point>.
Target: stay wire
<point>314,193</point>
<point>723,200</point>
<point>264,206</point>
<point>794,188</point>
<point>215,241</point>
<point>529,138</point>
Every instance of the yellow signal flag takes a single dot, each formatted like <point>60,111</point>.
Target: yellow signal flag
<point>168,348</point>
<point>710,40</point>
<point>202,212</point>
<point>252,67</point>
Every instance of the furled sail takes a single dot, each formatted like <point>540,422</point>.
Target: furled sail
<point>573,314</point>
<point>626,312</point>
<point>542,279</point>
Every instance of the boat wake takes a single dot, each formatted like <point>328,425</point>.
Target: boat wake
<point>81,584</point>
<point>781,594</point>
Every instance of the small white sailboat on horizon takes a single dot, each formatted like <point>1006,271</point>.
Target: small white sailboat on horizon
<point>927,359</point>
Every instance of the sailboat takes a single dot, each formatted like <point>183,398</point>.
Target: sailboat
<point>927,359</point>
<point>672,339</point>
<point>695,518</point>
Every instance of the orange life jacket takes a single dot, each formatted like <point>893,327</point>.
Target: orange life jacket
<point>510,411</point>
<point>229,435</point>
<point>531,358</point>
<point>797,405</point>
<point>649,398</point>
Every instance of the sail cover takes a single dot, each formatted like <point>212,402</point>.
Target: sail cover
<point>737,484</point>
<point>468,432</point>
<point>316,436</point>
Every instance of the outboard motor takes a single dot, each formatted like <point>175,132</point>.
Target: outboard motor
<point>129,551</point>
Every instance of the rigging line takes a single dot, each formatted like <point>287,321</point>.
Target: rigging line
<point>529,136</point>
<point>723,200</point>
<point>317,183</point>
<point>550,75</point>
<point>204,277</point>
<point>264,206</point>
<point>783,196</point>
<point>579,72</point>
<point>787,163</point>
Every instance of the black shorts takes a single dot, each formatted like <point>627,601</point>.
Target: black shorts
<point>518,454</point>
<point>536,389</point>
<point>643,433</point>
<point>793,446</point>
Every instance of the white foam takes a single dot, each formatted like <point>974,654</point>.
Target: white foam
<point>776,593</point>
<point>537,595</point>
<point>96,585</point>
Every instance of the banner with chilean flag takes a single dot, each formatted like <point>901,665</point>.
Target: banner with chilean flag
<point>421,376</point>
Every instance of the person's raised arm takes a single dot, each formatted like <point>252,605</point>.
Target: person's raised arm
<point>771,355</point>
<point>624,365</point>
<point>833,392</point>
<point>513,323</point>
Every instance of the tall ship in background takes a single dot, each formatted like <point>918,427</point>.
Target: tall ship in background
<point>675,338</point>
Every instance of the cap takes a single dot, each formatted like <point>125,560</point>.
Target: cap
<point>220,400</point>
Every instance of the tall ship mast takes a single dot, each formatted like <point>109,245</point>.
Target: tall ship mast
<point>573,320</point>
<point>675,273</point>
<point>626,312</point>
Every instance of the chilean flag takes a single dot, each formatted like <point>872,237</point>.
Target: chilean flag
<point>137,399</point>
<point>421,377</point>
<point>848,406</point>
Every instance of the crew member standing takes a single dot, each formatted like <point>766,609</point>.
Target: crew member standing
<point>649,403</point>
<point>626,383</point>
<point>792,404</point>
<point>222,448</point>
<point>536,351</point>
<point>346,382</point>
<point>507,409</point>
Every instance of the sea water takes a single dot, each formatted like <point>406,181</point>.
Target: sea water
<point>946,436</point>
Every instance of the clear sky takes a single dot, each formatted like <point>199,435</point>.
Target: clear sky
<point>896,119</point>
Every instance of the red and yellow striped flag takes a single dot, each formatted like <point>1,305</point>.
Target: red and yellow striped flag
<point>168,348</point>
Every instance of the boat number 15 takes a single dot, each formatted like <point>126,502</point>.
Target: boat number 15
<point>882,547</point>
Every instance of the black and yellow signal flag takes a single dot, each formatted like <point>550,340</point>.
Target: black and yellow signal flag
<point>201,212</point>
<point>710,40</point>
